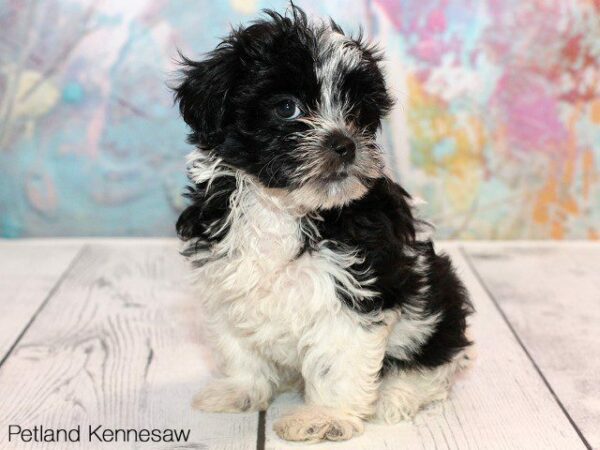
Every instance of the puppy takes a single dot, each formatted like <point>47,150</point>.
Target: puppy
<point>305,252</point>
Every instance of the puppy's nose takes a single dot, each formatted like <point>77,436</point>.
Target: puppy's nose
<point>343,146</point>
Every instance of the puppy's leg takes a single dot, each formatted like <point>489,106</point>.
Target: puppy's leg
<point>404,392</point>
<point>340,370</point>
<point>247,382</point>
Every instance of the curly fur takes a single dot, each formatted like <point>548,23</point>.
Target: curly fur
<point>306,257</point>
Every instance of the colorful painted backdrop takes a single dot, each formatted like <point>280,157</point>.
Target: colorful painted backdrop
<point>497,126</point>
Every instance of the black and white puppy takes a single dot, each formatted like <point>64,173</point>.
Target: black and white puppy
<point>306,254</point>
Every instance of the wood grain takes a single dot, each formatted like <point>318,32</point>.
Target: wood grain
<point>27,275</point>
<point>501,403</point>
<point>551,296</point>
<point>118,344</point>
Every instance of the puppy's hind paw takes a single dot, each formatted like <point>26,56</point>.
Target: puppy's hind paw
<point>230,396</point>
<point>315,423</point>
<point>392,410</point>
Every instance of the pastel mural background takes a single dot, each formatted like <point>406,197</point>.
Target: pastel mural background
<point>497,125</point>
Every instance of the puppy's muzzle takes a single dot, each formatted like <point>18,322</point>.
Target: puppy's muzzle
<point>342,145</point>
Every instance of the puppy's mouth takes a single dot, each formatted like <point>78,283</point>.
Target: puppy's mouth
<point>339,175</point>
<point>344,176</point>
<point>328,176</point>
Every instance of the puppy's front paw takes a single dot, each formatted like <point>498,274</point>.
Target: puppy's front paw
<point>227,395</point>
<point>317,423</point>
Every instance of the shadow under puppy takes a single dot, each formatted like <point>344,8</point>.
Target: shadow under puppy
<point>304,251</point>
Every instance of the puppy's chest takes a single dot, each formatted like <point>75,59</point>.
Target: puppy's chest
<point>263,236</point>
<point>265,291</point>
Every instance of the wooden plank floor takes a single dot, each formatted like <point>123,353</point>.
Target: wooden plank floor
<point>105,332</point>
<point>551,298</point>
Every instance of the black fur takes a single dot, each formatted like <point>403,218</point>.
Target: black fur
<point>381,226</point>
<point>205,219</point>
<point>228,100</point>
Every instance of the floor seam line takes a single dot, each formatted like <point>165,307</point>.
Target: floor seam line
<point>46,300</point>
<point>260,432</point>
<point>522,345</point>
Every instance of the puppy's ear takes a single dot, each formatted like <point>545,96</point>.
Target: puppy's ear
<point>203,94</point>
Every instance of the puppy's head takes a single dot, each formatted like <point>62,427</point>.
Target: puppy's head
<point>294,104</point>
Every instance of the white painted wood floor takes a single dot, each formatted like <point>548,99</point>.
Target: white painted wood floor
<point>105,332</point>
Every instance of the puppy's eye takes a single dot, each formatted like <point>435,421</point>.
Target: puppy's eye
<point>288,109</point>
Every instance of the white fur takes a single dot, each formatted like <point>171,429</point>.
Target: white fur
<point>275,317</point>
<point>337,55</point>
<point>404,392</point>
<point>314,423</point>
<point>416,324</point>
<point>276,321</point>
